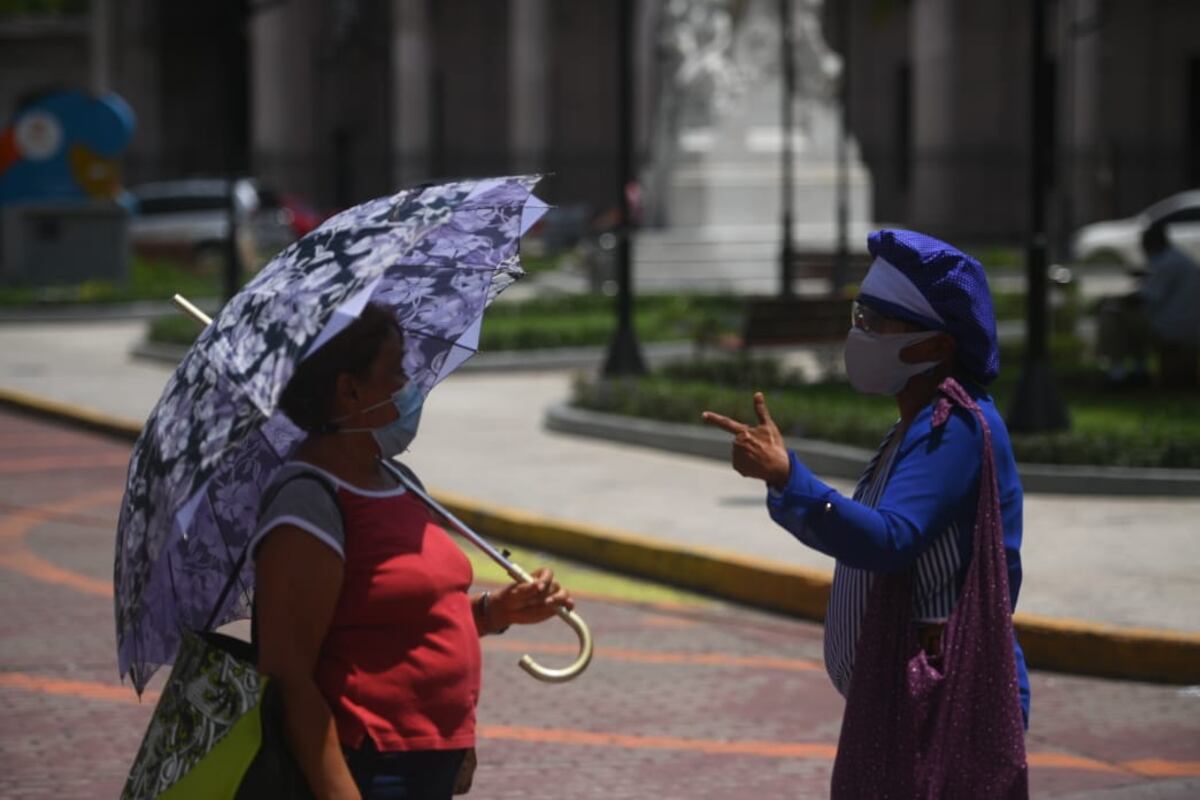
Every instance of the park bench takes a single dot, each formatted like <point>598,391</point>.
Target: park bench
<point>804,319</point>
<point>795,320</point>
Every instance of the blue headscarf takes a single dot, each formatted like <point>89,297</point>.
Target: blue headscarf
<point>953,295</point>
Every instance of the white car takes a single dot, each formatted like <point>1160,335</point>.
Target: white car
<point>188,220</point>
<point>1119,241</point>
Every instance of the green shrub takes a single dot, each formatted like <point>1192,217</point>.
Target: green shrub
<point>148,280</point>
<point>1132,427</point>
<point>575,321</point>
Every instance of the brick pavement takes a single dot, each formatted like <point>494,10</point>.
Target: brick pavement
<point>681,701</point>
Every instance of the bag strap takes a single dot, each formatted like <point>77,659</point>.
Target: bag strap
<point>267,499</point>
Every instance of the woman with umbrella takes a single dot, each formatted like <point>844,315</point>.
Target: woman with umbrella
<point>267,461</point>
<point>363,613</point>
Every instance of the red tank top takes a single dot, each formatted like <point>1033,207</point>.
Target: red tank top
<point>401,662</point>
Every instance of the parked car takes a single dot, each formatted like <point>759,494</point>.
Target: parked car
<point>300,215</point>
<point>1118,241</point>
<point>188,220</point>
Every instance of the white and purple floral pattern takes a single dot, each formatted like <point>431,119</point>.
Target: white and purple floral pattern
<point>437,255</point>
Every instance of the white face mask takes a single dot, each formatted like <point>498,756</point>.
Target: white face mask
<point>873,362</point>
<point>394,437</point>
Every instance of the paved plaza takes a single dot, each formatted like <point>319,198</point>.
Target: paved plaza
<point>685,699</point>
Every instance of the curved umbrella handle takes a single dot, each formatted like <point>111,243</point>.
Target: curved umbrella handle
<point>574,668</point>
<point>516,573</point>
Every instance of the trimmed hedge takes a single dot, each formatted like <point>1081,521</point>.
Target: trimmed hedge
<point>1128,427</point>
<point>148,280</point>
<point>566,321</point>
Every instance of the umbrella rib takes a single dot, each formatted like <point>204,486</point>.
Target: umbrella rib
<point>456,265</point>
<point>451,342</point>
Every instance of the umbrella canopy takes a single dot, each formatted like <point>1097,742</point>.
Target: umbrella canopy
<point>436,255</point>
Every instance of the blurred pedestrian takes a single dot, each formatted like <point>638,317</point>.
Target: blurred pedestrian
<point>1160,316</point>
<point>364,617</point>
<point>1172,295</point>
<point>918,633</point>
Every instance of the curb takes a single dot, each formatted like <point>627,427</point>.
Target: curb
<point>1063,645</point>
<point>83,312</point>
<point>842,461</point>
<point>55,411</point>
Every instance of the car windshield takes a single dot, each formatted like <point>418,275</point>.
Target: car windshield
<point>1172,206</point>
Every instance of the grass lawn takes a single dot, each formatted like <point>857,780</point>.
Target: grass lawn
<point>148,280</point>
<point>584,581</point>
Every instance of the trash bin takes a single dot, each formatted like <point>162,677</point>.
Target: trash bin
<point>63,243</point>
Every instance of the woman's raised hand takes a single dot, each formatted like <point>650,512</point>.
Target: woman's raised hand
<point>758,451</point>
<point>528,603</point>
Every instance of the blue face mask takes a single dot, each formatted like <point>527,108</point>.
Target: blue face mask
<point>395,437</point>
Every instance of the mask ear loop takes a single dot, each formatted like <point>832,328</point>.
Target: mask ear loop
<point>333,422</point>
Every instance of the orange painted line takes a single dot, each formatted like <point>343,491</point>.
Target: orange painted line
<point>16,557</point>
<point>1067,761</point>
<point>38,568</point>
<point>635,742</point>
<point>1158,768</point>
<point>47,440</point>
<point>659,621</point>
<point>47,514</point>
<point>15,525</point>
<point>654,657</point>
<point>87,690</point>
<point>74,461</point>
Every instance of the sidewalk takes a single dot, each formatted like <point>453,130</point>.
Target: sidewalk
<point>1114,561</point>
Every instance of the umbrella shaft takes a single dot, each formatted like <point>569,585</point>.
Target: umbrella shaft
<point>188,308</point>
<point>514,570</point>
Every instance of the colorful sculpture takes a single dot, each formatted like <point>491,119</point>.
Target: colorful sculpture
<point>65,146</point>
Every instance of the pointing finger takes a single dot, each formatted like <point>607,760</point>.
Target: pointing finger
<point>760,408</point>
<point>724,423</point>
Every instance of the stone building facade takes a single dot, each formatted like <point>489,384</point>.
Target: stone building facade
<point>340,100</point>
<point>940,102</point>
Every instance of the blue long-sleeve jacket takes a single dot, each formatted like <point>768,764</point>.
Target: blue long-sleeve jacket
<point>933,487</point>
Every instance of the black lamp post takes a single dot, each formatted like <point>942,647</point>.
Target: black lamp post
<point>787,255</point>
<point>624,353</point>
<point>1037,405</point>
<point>240,12</point>
<point>841,260</point>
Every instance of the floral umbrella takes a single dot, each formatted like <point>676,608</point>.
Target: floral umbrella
<point>437,255</point>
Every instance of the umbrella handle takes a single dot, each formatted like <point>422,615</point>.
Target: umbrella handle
<point>186,307</point>
<point>514,570</point>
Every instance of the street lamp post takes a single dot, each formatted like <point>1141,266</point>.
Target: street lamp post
<point>624,354</point>
<point>787,125</point>
<point>841,261</point>
<point>1037,405</point>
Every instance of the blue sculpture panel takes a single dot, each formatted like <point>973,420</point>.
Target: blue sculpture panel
<point>65,146</point>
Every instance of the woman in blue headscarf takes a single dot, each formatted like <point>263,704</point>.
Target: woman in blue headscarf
<point>918,633</point>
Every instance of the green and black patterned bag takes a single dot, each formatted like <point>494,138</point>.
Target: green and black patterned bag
<point>216,731</point>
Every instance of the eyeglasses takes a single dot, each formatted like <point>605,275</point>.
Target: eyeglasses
<point>868,319</point>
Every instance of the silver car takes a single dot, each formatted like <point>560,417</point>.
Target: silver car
<point>1119,241</point>
<point>188,220</point>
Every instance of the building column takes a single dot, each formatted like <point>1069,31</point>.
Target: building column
<point>282,81</point>
<point>411,90</point>
<point>970,79</point>
<point>134,73</point>
<point>101,47</point>
<point>1090,177</point>
<point>527,116</point>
